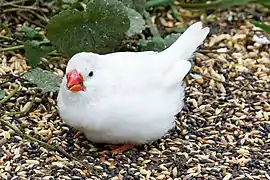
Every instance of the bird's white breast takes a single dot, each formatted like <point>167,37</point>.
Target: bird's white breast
<point>136,117</point>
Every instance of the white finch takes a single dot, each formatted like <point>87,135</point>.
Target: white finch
<point>127,97</point>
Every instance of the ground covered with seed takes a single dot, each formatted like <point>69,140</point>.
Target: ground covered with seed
<point>222,133</point>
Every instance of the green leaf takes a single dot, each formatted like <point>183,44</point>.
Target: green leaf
<point>32,33</point>
<point>99,29</point>
<point>46,80</point>
<point>34,50</point>
<point>2,94</point>
<point>154,44</point>
<point>157,43</point>
<point>138,5</point>
<point>69,1</point>
<point>170,39</point>
<point>137,23</point>
<point>261,25</point>
<point>265,3</point>
<point>78,5</point>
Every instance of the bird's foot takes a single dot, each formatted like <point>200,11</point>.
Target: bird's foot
<point>78,134</point>
<point>116,149</point>
<point>122,148</point>
<point>103,156</point>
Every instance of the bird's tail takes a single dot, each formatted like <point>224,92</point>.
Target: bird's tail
<point>187,43</point>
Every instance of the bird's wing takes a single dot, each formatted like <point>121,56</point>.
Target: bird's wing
<point>138,69</point>
<point>169,66</point>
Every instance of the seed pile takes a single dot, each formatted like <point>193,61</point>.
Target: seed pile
<point>222,133</point>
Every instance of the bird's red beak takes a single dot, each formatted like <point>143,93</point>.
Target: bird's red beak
<point>74,81</point>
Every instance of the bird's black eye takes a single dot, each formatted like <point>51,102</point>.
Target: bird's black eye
<point>91,74</point>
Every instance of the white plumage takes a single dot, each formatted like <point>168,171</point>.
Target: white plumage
<point>131,97</point>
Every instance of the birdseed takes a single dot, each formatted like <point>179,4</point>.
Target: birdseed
<point>223,131</point>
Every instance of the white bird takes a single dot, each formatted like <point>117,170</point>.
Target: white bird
<point>127,98</point>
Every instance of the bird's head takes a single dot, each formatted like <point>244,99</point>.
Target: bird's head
<point>80,69</point>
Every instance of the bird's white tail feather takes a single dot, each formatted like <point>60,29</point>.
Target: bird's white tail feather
<point>187,43</point>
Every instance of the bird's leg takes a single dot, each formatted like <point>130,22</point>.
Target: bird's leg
<point>122,148</point>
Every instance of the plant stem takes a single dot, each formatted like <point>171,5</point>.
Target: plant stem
<point>10,39</point>
<point>21,46</point>
<point>14,128</point>
<point>6,38</point>
<point>26,7</point>
<point>10,95</point>
<point>12,3</point>
<point>175,12</point>
<point>153,29</point>
<point>46,145</point>
<point>44,42</point>
<point>11,48</point>
<point>154,3</point>
<point>209,5</point>
<point>41,143</point>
